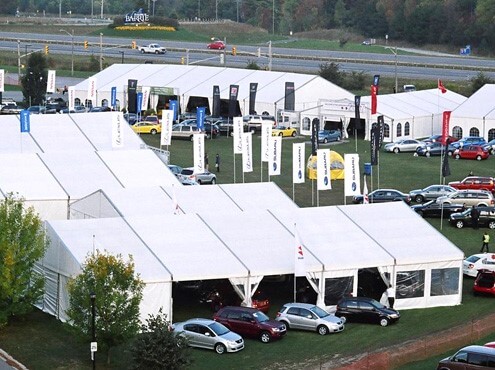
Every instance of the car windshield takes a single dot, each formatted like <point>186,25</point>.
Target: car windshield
<point>429,203</point>
<point>473,259</point>
<point>218,328</point>
<point>260,316</point>
<point>376,304</point>
<point>319,312</point>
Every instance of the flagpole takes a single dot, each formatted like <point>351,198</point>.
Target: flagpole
<point>234,167</point>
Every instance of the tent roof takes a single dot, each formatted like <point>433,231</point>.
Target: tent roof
<point>480,104</point>
<point>12,140</point>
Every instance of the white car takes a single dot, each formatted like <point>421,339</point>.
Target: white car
<point>152,49</point>
<point>406,145</point>
<point>481,261</point>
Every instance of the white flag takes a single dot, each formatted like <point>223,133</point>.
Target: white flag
<point>92,89</point>
<point>2,80</point>
<point>238,129</point>
<point>275,163</point>
<point>299,265</point>
<point>71,96</point>
<point>323,169</point>
<point>365,192</point>
<point>117,131</point>
<point>50,83</point>
<point>352,180</point>
<point>247,152</point>
<point>146,96</point>
<point>266,134</point>
<point>298,155</point>
<point>199,153</point>
<point>167,120</point>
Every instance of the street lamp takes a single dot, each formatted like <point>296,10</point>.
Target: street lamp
<point>395,53</point>
<point>26,49</point>
<point>72,51</point>
<point>154,1</point>
<point>92,297</point>
<point>122,52</point>
<point>101,51</point>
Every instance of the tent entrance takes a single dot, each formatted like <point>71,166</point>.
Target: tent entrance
<point>370,283</point>
<point>333,125</point>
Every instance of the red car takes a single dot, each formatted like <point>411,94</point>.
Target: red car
<point>475,183</point>
<point>472,152</point>
<point>216,44</point>
<point>484,283</point>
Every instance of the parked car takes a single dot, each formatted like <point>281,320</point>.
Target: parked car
<point>469,140</point>
<point>434,209</point>
<point>187,115</point>
<point>10,109</point>
<point>250,322</point>
<point>475,182</point>
<point>491,146</point>
<point>431,192</point>
<point>440,139</point>
<point>405,145</point>
<point>431,149</point>
<point>363,309</point>
<point>152,119</point>
<point>477,152</point>
<point>486,218</point>
<point>144,127</point>
<point>216,45</point>
<point>254,121</point>
<point>210,128</point>
<point>306,316</point>
<point>325,136</point>
<point>209,334</point>
<point>484,284</point>
<point>284,131</point>
<point>76,109</point>
<point>37,109</point>
<point>180,131</point>
<point>201,178</point>
<point>383,195</point>
<point>468,358</point>
<point>100,109</point>
<point>469,198</point>
<point>477,262</point>
<point>131,118</point>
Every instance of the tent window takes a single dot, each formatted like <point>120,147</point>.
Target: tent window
<point>399,129</point>
<point>457,132</point>
<point>88,103</point>
<point>117,104</point>
<point>306,124</point>
<point>410,284</point>
<point>491,134</point>
<point>406,129</point>
<point>337,288</point>
<point>444,281</point>
<point>77,102</point>
<point>474,132</point>
<point>386,130</point>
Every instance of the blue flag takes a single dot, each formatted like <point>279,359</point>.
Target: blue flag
<point>173,105</point>
<point>200,117</point>
<point>139,102</point>
<point>114,97</point>
<point>25,121</point>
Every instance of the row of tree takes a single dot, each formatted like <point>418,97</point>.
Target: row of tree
<point>454,22</point>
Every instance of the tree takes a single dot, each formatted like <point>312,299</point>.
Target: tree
<point>35,79</point>
<point>330,71</point>
<point>118,295</point>
<point>22,244</point>
<point>159,348</point>
<point>479,81</point>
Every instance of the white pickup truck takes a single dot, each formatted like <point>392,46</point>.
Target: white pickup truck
<point>152,49</point>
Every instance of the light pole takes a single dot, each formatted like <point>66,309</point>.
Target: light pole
<point>72,51</point>
<point>394,51</point>
<point>273,17</point>
<point>122,52</point>
<point>19,61</point>
<point>154,1</point>
<point>101,16</point>
<point>101,51</point>
<point>26,49</point>
<point>94,347</point>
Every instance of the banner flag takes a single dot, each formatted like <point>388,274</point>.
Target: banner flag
<point>174,105</point>
<point>71,97</point>
<point>376,81</point>
<point>25,121</point>
<point>113,97</point>
<point>233,91</point>
<point>238,129</point>
<point>298,155</point>
<point>374,92</point>
<point>290,98</point>
<point>357,113</point>
<point>374,143</point>
<point>315,127</point>
<point>92,89</point>
<point>199,153</point>
<point>253,88</point>
<point>300,265</point>
<point>381,130</point>
<point>274,166</point>
<point>266,135</point>
<point>247,151</point>
<point>323,169</point>
<point>167,121</point>
<point>50,83</point>
<point>441,87</point>
<point>445,126</point>
<point>139,102</point>
<point>131,96</point>
<point>145,90</point>
<point>200,118</point>
<point>445,161</point>
<point>216,101</point>
<point>352,182</point>
<point>365,192</point>
<point>2,80</point>
<point>117,130</point>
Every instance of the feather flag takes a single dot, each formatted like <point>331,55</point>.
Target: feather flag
<point>365,192</point>
<point>299,264</point>
<point>441,87</point>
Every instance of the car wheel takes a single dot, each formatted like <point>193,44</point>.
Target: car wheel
<point>427,154</point>
<point>459,224</point>
<point>153,132</point>
<point>383,321</point>
<point>478,158</point>
<point>457,156</point>
<point>191,138</point>
<point>208,136</point>
<point>232,134</point>
<point>213,181</point>
<point>265,337</point>
<point>157,52</point>
<point>280,134</point>
<point>293,134</point>
<point>322,330</point>
<point>491,224</point>
<point>325,140</point>
<point>199,181</point>
<point>396,150</point>
<point>220,348</point>
<point>142,51</point>
<point>339,138</point>
<point>286,324</point>
<point>419,199</point>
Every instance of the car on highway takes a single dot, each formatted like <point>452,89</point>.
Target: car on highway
<point>383,195</point>
<point>405,145</point>
<point>326,136</point>
<point>144,127</point>
<point>201,178</point>
<point>469,198</point>
<point>477,262</point>
<point>368,310</point>
<point>305,316</point>
<point>475,182</point>
<point>477,152</point>
<point>484,284</point>
<point>216,45</point>
<point>434,209</point>
<point>486,218</point>
<point>284,131</point>
<point>430,192</point>
<point>209,334</point>
<point>152,49</point>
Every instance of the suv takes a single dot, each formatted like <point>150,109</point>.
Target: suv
<point>362,309</point>
<point>307,316</point>
<point>486,217</point>
<point>254,122</point>
<point>470,357</point>
<point>469,198</point>
<point>180,131</point>
<point>475,182</point>
<point>250,322</point>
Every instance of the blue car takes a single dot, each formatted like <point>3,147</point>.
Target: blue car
<point>468,140</point>
<point>325,136</point>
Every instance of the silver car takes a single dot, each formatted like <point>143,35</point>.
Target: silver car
<point>201,178</point>
<point>431,192</point>
<point>469,198</point>
<point>180,131</point>
<point>406,145</point>
<point>307,316</point>
<point>209,334</point>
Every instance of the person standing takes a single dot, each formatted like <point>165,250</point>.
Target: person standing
<point>486,240</point>
<point>475,215</point>
<point>217,162</point>
<point>391,295</point>
<point>207,166</point>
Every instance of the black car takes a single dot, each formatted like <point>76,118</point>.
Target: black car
<point>383,195</point>
<point>368,310</point>
<point>431,149</point>
<point>131,118</point>
<point>486,218</point>
<point>434,209</point>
